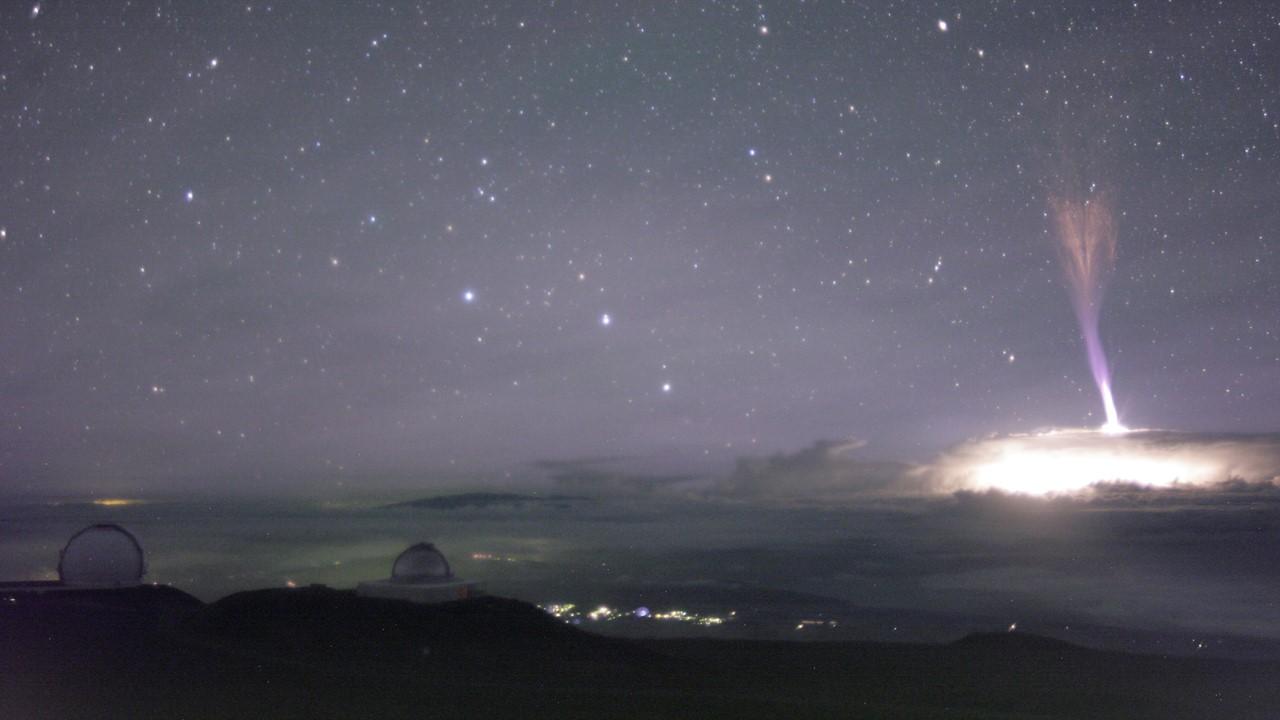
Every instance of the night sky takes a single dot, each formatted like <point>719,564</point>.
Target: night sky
<point>258,246</point>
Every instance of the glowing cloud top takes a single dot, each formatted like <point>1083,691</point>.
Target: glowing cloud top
<point>1087,250</point>
<point>1067,461</point>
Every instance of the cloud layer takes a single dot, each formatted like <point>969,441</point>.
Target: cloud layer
<point>827,470</point>
<point>1055,462</point>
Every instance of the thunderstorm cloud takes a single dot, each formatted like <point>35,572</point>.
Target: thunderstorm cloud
<point>1053,462</point>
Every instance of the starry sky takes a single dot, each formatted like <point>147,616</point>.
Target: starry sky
<point>256,246</point>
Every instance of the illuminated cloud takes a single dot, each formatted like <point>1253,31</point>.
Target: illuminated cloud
<point>1069,461</point>
<point>1060,462</point>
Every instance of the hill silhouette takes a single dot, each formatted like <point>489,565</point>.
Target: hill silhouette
<point>323,653</point>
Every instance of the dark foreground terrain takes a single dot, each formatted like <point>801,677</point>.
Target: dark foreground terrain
<point>155,652</point>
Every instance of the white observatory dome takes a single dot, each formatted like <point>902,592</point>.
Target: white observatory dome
<point>421,575</point>
<point>104,556</point>
<point>421,563</point>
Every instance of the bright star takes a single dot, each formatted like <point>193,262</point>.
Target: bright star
<point>468,296</point>
<point>605,320</point>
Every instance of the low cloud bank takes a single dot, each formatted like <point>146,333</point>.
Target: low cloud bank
<point>825,471</point>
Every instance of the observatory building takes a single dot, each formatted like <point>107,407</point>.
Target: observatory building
<point>102,556</point>
<point>420,574</point>
<point>99,556</point>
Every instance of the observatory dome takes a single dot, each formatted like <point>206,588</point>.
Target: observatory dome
<point>422,575</point>
<point>102,555</point>
<point>421,563</point>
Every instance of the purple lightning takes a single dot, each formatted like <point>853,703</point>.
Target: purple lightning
<point>1087,249</point>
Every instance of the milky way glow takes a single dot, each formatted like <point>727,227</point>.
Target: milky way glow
<point>1087,249</point>
<point>1069,461</point>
